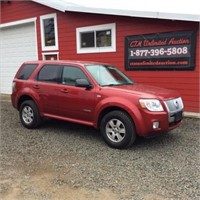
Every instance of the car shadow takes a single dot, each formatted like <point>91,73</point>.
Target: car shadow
<point>63,127</point>
<point>69,128</point>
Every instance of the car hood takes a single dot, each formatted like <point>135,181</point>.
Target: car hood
<point>146,91</point>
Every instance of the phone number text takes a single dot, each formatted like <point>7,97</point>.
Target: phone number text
<point>156,52</point>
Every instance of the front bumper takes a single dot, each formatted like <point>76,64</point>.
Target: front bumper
<point>161,122</point>
<point>157,123</point>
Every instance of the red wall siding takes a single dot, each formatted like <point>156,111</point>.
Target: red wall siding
<point>186,82</point>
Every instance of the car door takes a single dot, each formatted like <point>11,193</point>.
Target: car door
<point>46,86</point>
<point>75,102</point>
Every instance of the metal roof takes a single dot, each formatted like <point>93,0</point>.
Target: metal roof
<point>138,11</point>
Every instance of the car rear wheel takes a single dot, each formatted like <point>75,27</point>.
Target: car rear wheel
<point>29,114</point>
<point>117,129</point>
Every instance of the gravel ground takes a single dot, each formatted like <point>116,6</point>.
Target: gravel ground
<point>67,161</point>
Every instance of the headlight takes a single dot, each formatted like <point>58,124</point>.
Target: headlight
<point>151,104</point>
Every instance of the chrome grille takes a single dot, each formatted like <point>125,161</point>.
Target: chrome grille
<point>174,108</point>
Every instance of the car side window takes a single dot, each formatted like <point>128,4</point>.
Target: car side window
<point>71,74</point>
<point>49,73</point>
<point>26,71</point>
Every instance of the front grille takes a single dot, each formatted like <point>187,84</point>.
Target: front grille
<point>175,109</point>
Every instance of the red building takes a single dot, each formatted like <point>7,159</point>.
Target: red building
<point>160,52</point>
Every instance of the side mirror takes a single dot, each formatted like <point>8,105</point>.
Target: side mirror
<point>83,83</point>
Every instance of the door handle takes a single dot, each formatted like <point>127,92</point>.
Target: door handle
<point>64,90</point>
<point>36,86</point>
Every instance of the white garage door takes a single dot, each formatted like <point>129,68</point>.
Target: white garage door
<point>18,44</point>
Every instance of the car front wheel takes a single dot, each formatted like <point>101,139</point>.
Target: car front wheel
<point>29,115</point>
<point>117,129</point>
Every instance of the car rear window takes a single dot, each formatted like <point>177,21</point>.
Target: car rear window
<point>26,71</point>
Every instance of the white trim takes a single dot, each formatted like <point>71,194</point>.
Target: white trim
<point>36,39</point>
<point>49,48</point>
<point>19,22</point>
<point>136,13</point>
<point>160,10</point>
<point>192,115</point>
<point>50,53</point>
<point>96,49</point>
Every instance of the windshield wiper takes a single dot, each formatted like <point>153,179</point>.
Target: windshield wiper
<point>117,84</point>
<point>127,83</point>
<point>112,84</point>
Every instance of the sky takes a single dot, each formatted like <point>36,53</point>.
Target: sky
<point>170,6</point>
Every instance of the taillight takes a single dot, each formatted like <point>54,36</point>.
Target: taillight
<point>13,86</point>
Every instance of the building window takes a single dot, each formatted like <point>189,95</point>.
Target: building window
<point>50,56</point>
<point>49,35</point>
<point>87,40</point>
<point>94,39</point>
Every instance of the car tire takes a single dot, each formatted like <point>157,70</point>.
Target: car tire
<point>117,129</point>
<point>29,114</point>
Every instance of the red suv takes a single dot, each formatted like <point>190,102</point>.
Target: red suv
<point>97,95</point>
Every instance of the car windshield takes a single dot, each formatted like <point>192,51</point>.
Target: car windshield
<point>106,75</point>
